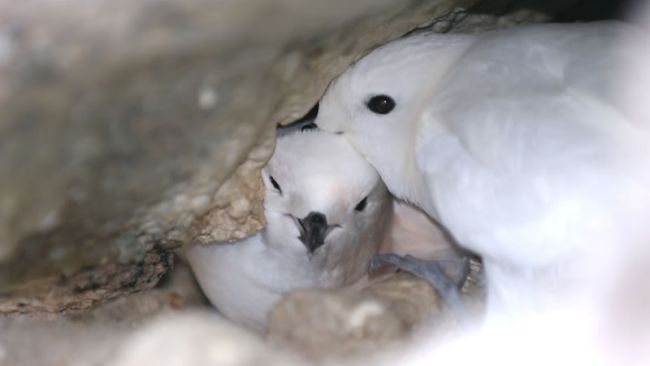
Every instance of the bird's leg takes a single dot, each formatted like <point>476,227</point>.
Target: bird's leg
<point>448,286</point>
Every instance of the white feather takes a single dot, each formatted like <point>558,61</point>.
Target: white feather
<point>513,140</point>
<point>316,172</point>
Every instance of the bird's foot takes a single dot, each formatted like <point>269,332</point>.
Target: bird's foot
<point>446,277</point>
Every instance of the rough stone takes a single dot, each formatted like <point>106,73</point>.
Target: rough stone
<point>125,136</point>
<point>321,324</point>
<point>461,21</point>
<point>85,287</point>
<point>169,325</point>
<point>326,324</point>
<point>93,337</point>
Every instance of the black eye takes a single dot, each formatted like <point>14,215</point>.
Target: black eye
<point>381,104</point>
<point>362,205</point>
<point>275,184</point>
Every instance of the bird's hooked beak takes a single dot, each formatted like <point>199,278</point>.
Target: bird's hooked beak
<point>313,230</point>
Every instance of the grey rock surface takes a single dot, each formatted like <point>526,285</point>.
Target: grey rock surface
<point>330,324</point>
<point>335,323</point>
<point>128,128</point>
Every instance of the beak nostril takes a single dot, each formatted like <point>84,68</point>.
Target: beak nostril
<point>316,218</point>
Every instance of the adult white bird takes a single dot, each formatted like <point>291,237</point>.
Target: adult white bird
<point>327,212</point>
<point>515,141</point>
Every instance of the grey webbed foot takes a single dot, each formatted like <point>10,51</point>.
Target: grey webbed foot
<point>446,276</point>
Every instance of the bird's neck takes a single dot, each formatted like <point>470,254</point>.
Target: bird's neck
<point>399,172</point>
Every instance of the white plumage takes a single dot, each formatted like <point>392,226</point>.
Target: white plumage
<point>309,172</point>
<point>515,141</point>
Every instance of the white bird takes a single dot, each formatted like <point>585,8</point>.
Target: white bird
<point>515,141</point>
<point>327,212</point>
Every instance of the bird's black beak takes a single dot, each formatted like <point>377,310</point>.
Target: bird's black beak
<point>313,230</point>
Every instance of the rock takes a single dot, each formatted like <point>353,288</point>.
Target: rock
<point>411,299</point>
<point>325,323</point>
<point>93,337</point>
<point>176,292</point>
<point>123,137</point>
<point>462,21</point>
<point>322,324</point>
<point>88,286</point>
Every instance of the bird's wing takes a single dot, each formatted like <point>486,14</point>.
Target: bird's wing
<point>539,93</point>
<point>533,135</point>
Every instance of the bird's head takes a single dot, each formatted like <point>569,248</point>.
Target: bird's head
<point>377,103</point>
<point>323,202</point>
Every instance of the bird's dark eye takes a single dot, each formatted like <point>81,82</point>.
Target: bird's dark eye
<point>381,104</point>
<point>275,184</point>
<point>362,205</point>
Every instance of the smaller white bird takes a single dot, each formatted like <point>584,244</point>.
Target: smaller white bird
<point>327,212</point>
